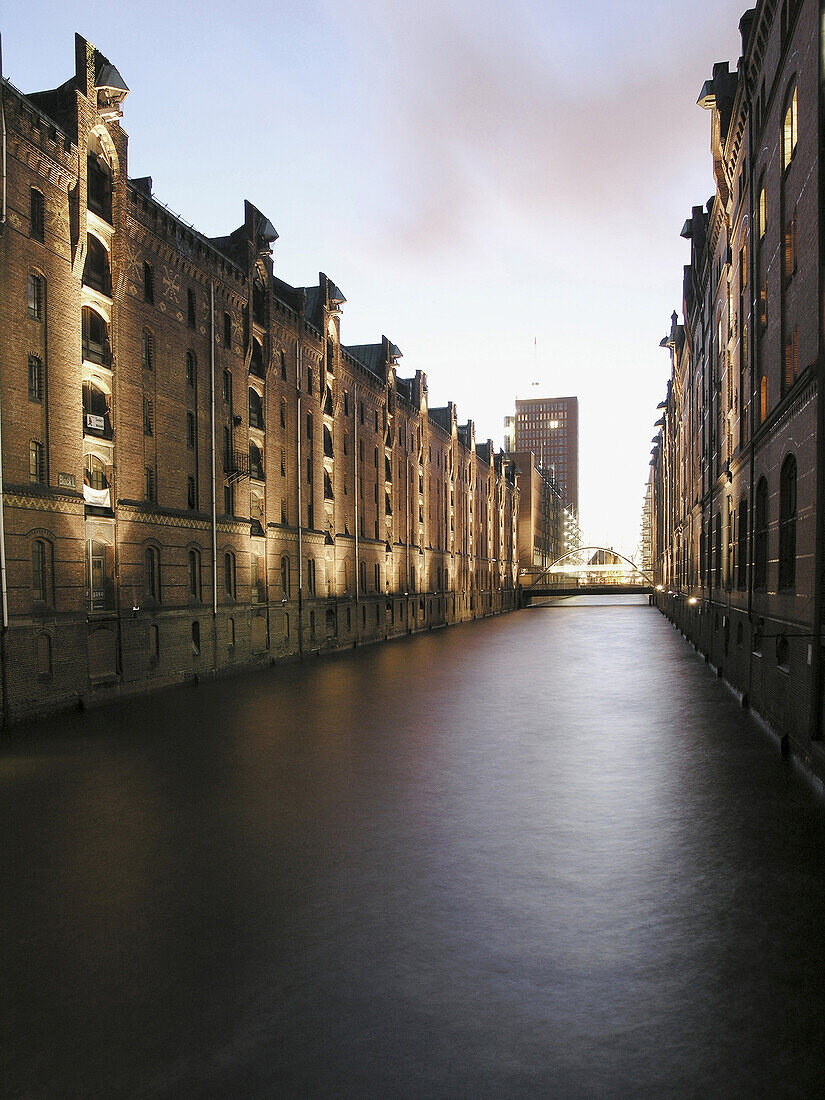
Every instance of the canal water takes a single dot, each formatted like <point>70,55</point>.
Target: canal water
<point>540,855</point>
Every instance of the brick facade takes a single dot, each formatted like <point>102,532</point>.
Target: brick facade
<point>737,517</point>
<point>197,473</point>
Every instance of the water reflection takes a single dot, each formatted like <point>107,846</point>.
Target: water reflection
<point>546,854</point>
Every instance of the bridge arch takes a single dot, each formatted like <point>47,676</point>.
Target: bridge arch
<point>583,549</point>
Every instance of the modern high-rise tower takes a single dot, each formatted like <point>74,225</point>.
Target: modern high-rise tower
<point>549,427</point>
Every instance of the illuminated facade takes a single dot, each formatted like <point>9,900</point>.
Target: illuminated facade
<point>197,474</point>
<point>738,515</point>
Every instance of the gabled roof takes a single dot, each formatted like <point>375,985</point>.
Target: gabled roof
<point>370,356</point>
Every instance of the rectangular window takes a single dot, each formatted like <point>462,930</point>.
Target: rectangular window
<point>35,298</point>
<point>37,462</point>
<point>37,215</point>
<point>148,283</point>
<point>790,248</point>
<point>791,360</point>
<point>35,378</point>
<point>191,494</point>
<point>190,430</point>
<point>149,483</point>
<point>763,212</point>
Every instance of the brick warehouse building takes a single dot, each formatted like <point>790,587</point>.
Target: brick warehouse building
<point>196,473</point>
<point>737,486</point>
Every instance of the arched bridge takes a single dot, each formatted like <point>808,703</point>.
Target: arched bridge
<point>588,571</point>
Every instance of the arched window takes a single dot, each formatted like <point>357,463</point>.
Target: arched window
<point>789,129</point>
<point>377,577</point>
<point>42,571</point>
<point>363,573</point>
<point>332,625</point>
<point>148,416</point>
<point>760,535</point>
<point>96,268</point>
<point>151,565</point>
<point>36,296</point>
<point>256,410</point>
<point>191,369</point>
<point>95,482</point>
<point>285,578</point>
<point>95,337</point>
<point>311,576</point>
<point>256,462</point>
<point>328,494</point>
<point>196,638</point>
<point>742,549</point>
<point>229,575</point>
<point>787,523</point>
<point>328,451</point>
<point>283,412</point>
<point>195,574</point>
<point>95,472</point>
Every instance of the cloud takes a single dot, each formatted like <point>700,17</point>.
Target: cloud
<point>482,114</point>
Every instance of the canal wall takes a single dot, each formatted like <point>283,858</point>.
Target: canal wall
<point>768,662</point>
<point>239,639</point>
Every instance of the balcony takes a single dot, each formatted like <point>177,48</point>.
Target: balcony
<point>235,466</point>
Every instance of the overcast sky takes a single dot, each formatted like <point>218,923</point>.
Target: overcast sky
<point>497,186</point>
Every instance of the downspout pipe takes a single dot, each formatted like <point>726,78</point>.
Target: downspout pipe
<point>356,492</point>
<point>3,141</point>
<point>817,717</point>
<point>213,465</point>
<point>300,497</point>
<point>3,578</point>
